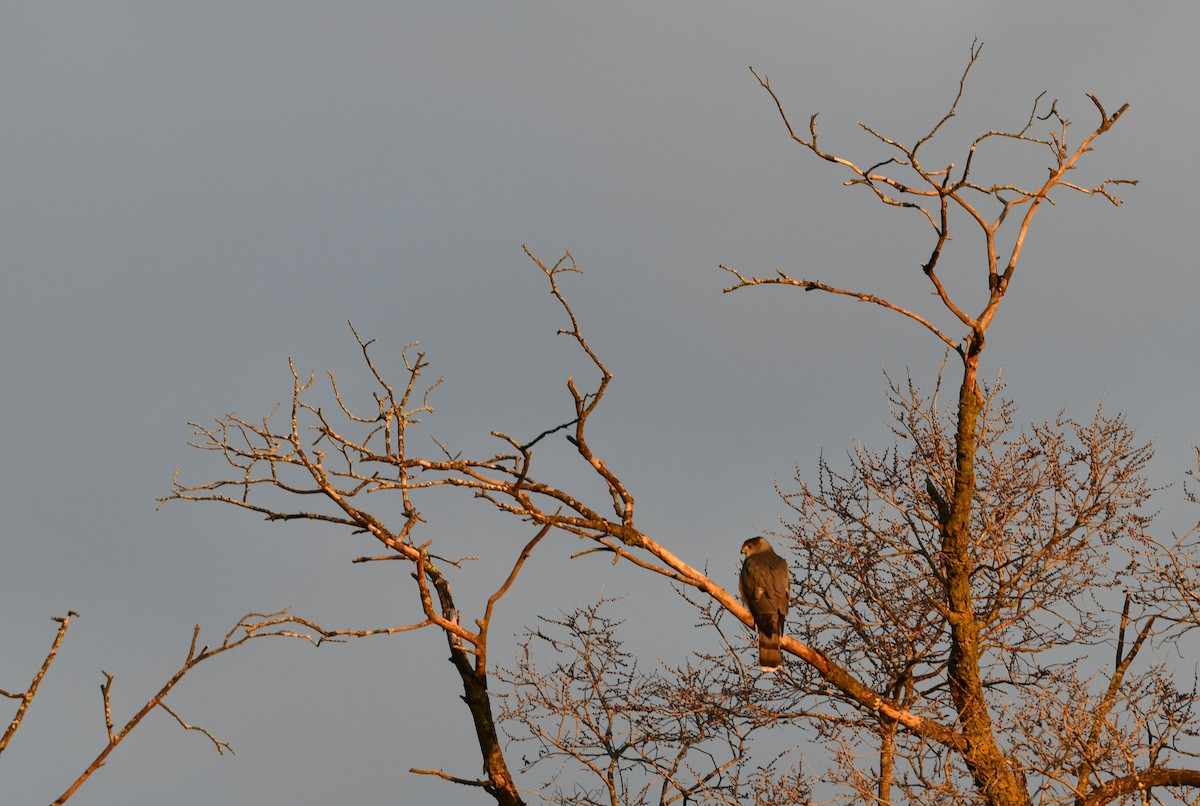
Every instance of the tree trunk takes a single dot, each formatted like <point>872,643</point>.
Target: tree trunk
<point>994,776</point>
<point>500,784</point>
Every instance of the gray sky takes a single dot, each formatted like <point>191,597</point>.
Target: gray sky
<point>191,193</point>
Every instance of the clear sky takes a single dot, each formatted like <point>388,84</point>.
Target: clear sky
<point>192,193</point>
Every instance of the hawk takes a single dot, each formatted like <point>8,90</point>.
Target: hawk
<point>764,586</point>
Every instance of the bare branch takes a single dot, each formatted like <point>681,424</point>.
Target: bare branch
<point>451,778</point>
<point>813,285</point>
<point>249,627</point>
<point>26,697</point>
<point>220,746</point>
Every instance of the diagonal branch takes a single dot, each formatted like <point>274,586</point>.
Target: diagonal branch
<point>26,697</point>
<point>249,627</point>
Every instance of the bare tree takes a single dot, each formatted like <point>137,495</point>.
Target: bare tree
<point>949,586</point>
<point>1057,525</point>
<point>676,734</point>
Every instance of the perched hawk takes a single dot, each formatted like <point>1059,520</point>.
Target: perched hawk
<point>764,586</point>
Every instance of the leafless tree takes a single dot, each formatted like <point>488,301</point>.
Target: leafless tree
<point>1057,527</point>
<point>677,734</point>
<point>951,590</point>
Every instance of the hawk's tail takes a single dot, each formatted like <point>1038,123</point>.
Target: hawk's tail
<point>770,657</point>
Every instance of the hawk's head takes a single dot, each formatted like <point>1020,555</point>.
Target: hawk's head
<point>755,545</point>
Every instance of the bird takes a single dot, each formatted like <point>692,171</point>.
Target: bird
<point>764,585</point>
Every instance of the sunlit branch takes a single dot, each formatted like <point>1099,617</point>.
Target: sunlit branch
<point>26,697</point>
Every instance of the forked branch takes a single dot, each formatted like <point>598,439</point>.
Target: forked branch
<point>934,193</point>
<point>249,627</point>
